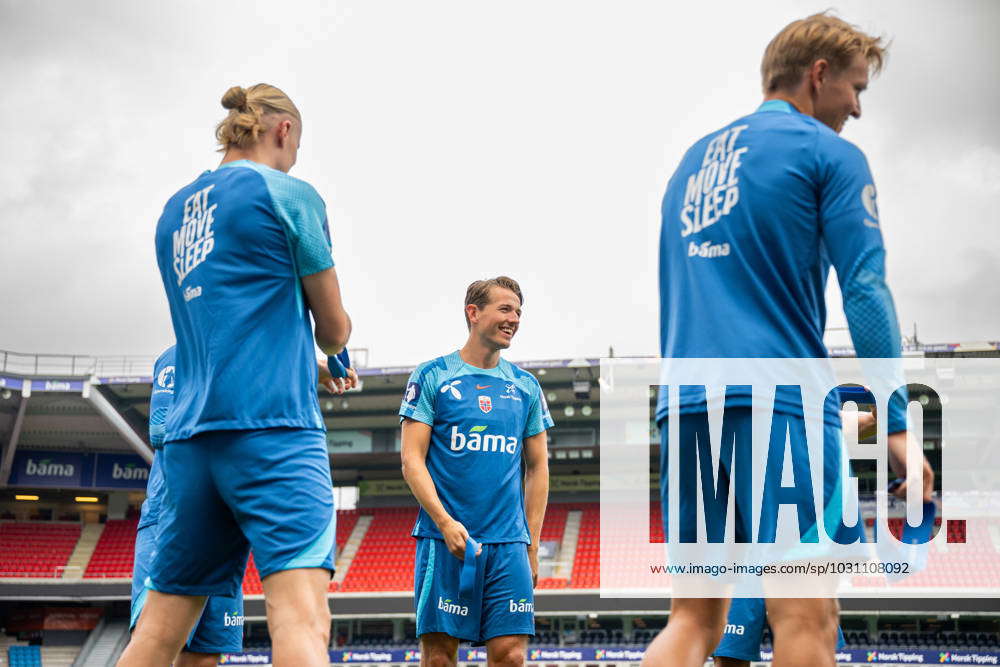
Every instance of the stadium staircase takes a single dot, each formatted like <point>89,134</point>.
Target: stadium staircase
<point>105,647</point>
<point>567,546</point>
<point>384,559</point>
<point>351,546</point>
<point>80,558</point>
<point>59,656</point>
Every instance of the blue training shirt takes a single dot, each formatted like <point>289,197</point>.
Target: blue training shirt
<point>160,400</point>
<point>479,419</point>
<point>232,247</point>
<point>752,221</point>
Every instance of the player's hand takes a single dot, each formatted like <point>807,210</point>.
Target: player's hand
<point>336,385</point>
<point>897,461</point>
<point>455,536</point>
<point>533,561</point>
<point>928,479</point>
<point>866,422</point>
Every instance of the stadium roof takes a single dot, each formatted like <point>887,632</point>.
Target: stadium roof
<point>101,403</point>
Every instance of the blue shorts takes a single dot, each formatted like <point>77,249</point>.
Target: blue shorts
<point>220,628</point>
<point>228,491</point>
<point>502,602</point>
<point>745,630</point>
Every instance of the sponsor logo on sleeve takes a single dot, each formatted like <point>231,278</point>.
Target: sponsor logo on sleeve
<point>868,196</point>
<point>412,392</point>
<point>521,606</point>
<point>165,379</point>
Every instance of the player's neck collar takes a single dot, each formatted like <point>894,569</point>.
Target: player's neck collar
<point>777,105</point>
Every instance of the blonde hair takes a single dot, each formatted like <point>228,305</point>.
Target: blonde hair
<point>820,36</point>
<point>478,293</point>
<point>248,114</point>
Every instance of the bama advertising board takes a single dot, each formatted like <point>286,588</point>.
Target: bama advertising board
<point>84,471</point>
<point>634,654</point>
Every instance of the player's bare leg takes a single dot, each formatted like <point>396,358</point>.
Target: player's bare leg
<point>805,631</point>
<point>694,630</point>
<point>507,651</point>
<point>163,628</point>
<point>298,617</point>
<point>438,650</point>
<point>192,659</point>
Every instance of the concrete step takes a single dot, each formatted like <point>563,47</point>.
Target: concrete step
<point>84,549</point>
<point>351,547</point>
<point>567,549</point>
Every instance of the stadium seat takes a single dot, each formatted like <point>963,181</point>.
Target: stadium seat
<point>114,552</point>
<point>36,549</point>
<point>24,656</point>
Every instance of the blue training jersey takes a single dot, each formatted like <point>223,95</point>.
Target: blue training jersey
<point>753,219</point>
<point>479,419</point>
<point>232,247</point>
<point>160,400</point>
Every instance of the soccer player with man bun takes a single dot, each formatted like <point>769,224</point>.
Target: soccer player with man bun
<point>245,256</point>
<point>753,218</point>
<point>469,419</point>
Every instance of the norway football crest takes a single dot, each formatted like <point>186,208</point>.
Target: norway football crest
<point>485,404</point>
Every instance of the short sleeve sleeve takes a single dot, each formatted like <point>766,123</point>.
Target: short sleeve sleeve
<point>539,418</point>
<point>303,213</point>
<point>161,398</point>
<point>418,397</point>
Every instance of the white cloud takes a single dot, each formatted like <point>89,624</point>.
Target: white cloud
<point>458,140</point>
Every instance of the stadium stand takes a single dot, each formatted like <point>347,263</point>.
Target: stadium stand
<point>384,561</point>
<point>114,552</point>
<point>587,565</point>
<point>36,549</point>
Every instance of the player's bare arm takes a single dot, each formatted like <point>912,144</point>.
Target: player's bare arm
<point>416,439</point>
<point>536,492</point>
<point>333,324</point>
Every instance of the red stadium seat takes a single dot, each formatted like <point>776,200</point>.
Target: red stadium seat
<point>36,549</point>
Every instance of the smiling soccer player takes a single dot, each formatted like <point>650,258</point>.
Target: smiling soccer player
<point>468,420</point>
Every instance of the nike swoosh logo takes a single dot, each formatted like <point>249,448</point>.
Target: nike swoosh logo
<point>483,386</point>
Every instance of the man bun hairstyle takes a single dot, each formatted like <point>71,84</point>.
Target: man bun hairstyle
<point>251,112</point>
<point>820,36</point>
<point>478,293</point>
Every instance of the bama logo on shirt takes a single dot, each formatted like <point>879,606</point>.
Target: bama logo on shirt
<point>477,440</point>
<point>521,606</point>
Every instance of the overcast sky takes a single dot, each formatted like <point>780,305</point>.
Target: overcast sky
<point>459,140</point>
